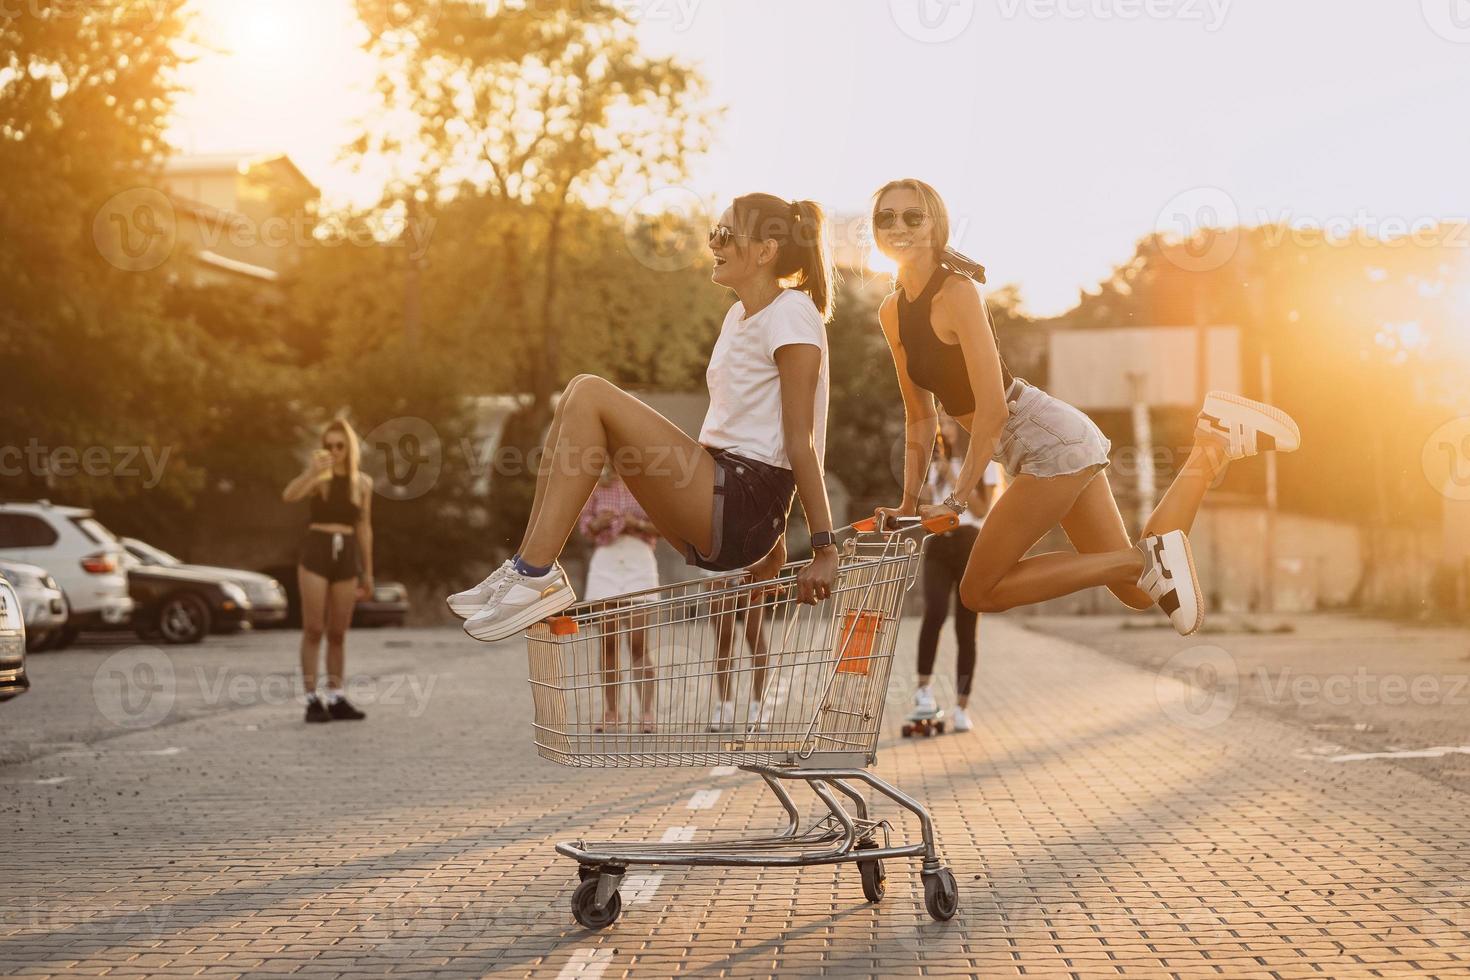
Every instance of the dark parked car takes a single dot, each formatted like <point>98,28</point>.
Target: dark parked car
<point>13,678</point>
<point>267,597</point>
<point>176,605</point>
<point>387,607</point>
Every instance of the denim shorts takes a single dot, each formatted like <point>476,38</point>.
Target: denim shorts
<point>1044,436</point>
<point>752,500</point>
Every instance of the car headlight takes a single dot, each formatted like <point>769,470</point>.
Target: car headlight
<point>234,593</point>
<point>50,583</point>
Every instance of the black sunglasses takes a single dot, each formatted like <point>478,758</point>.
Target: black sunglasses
<point>721,235</point>
<point>336,445</point>
<point>912,218</point>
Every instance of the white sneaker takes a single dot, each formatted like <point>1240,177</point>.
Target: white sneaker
<point>724,717</point>
<point>1246,427</point>
<point>959,720</point>
<point>465,604</point>
<point>518,602</point>
<point>763,716</point>
<point>1168,577</point>
<point>924,702</point>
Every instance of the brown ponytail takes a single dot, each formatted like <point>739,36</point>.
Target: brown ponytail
<point>799,229</point>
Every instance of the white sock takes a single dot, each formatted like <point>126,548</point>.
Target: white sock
<point>334,694</point>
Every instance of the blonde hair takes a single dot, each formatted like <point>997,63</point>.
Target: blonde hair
<point>354,458</point>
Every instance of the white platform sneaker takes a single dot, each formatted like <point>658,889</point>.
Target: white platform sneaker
<point>465,604</point>
<point>1247,427</point>
<point>518,602</point>
<point>1168,577</point>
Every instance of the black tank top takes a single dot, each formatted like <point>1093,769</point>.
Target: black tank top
<point>338,508</point>
<point>934,365</point>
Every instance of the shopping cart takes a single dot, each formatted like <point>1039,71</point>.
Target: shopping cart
<point>808,684</point>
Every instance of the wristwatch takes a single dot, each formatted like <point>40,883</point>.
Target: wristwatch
<point>955,504</point>
<point>823,539</point>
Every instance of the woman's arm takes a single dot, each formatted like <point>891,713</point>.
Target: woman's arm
<point>800,367</point>
<point>959,311</point>
<point>304,484</point>
<point>365,532</point>
<point>919,415</point>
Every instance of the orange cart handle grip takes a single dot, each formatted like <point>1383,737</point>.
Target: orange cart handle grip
<point>934,525</point>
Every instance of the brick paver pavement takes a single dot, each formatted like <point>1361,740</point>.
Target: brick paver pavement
<point>1095,829</point>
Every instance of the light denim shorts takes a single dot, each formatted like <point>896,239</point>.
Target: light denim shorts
<point>1045,436</point>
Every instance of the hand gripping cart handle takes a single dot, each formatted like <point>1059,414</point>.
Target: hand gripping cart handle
<point>797,695</point>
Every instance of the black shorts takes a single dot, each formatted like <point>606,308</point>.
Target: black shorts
<point>752,500</point>
<point>331,555</point>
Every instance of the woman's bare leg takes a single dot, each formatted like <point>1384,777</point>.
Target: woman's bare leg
<point>1180,504</point>
<point>998,578</point>
<point>611,686</point>
<point>642,669</point>
<point>313,589</point>
<point>669,473</point>
<point>548,457</point>
<point>341,597</point>
<point>755,638</point>
<point>1095,526</point>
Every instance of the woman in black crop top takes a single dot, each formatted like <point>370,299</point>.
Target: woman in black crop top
<point>944,345</point>
<point>336,563</point>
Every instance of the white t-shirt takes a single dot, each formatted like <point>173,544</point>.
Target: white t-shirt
<point>745,386</point>
<point>943,477</point>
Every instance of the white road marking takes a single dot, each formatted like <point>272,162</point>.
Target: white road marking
<point>171,750</point>
<point>723,771</point>
<point>51,780</point>
<point>586,964</point>
<point>704,799</point>
<point>639,889</point>
<point>678,835</point>
<point>1437,752</point>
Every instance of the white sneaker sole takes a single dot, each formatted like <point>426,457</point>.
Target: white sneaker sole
<point>464,610</point>
<point>1258,415</point>
<point>1177,554</point>
<point>523,620</point>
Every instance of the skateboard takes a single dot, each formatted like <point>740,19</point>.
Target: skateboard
<point>923,725</point>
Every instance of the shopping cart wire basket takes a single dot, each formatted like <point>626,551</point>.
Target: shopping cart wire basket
<point>797,695</point>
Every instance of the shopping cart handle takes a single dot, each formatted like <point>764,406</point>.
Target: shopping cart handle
<point>934,525</point>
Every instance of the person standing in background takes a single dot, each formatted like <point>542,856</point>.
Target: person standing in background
<point>944,567</point>
<point>623,561</point>
<point>336,563</point>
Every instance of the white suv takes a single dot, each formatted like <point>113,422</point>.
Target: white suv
<point>84,557</point>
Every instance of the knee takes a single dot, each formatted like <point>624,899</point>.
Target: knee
<point>580,389</point>
<point>336,636</point>
<point>982,601</point>
<point>312,635</point>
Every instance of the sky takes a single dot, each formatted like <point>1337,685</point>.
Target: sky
<point>1058,131</point>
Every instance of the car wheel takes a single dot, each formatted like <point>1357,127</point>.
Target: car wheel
<point>37,641</point>
<point>183,618</point>
<point>64,638</point>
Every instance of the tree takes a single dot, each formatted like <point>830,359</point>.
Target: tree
<point>533,116</point>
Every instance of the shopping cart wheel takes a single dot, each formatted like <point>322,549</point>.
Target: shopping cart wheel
<point>941,894</point>
<point>585,910</point>
<point>908,731</point>
<point>873,875</point>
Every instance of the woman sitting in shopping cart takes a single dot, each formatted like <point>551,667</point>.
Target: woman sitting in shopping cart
<point>722,500</point>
